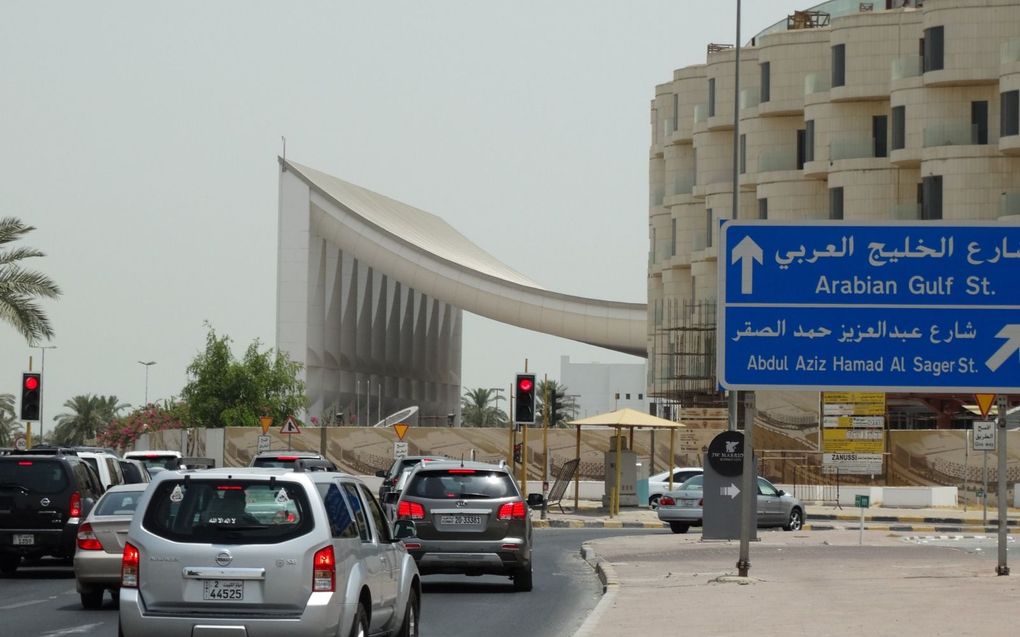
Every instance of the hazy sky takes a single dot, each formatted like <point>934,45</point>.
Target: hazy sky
<point>141,138</point>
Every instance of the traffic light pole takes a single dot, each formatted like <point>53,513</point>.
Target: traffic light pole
<point>545,448</point>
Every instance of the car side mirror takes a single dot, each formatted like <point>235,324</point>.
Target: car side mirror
<point>535,500</point>
<point>780,492</point>
<point>380,474</point>
<point>403,529</point>
<point>390,497</point>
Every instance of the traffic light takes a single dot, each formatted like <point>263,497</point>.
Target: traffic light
<point>31,391</point>
<point>524,399</point>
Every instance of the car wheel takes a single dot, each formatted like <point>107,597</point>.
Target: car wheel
<point>796,521</point>
<point>653,502</point>
<point>360,627</point>
<point>9,563</point>
<point>522,579</point>
<point>678,527</point>
<point>409,628</point>
<point>92,598</point>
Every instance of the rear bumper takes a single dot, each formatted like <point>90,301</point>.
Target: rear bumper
<point>56,542</point>
<point>687,516</point>
<point>322,617</point>
<point>96,568</point>
<point>497,557</point>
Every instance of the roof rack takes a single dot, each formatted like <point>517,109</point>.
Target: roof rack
<point>48,450</point>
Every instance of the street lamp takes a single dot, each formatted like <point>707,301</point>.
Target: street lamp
<point>147,365</point>
<point>42,370</point>
<point>498,391</point>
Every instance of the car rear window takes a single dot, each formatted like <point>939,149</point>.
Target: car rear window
<point>228,511</point>
<point>36,476</point>
<point>162,462</point>
<point>278,462</point>
<point>118,503</point>
<point>458,484</point>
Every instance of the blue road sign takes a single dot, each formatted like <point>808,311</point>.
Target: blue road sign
<point>904,307</point>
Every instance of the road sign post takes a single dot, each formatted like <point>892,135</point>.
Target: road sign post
<point>1003,404</point>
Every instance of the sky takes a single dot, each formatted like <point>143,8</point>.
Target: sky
<point>141,140</point>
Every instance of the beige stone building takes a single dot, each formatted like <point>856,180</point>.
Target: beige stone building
<point>849,110</point>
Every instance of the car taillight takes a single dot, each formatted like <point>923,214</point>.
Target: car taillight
<point>87,540</point>
<point>129,566</point>
<point>666,501</point>
<point>511,511</point>
<point>324,570</point>
<point>410,511</point>
<point>74,511</point>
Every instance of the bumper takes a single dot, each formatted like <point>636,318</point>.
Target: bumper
<point>499,557</point>
<point>97,568</point>
<point>687,516</point>
<point>56,542</point>
<point>322,617</point>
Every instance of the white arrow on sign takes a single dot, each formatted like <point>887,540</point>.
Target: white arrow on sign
<point>731,491</point>
<point>747,251</point>
<point>1012,335</point>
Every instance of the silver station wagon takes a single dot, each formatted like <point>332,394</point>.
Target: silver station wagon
<point>265,552</point>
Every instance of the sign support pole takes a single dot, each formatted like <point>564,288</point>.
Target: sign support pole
<point>1003,405</point>
<point>749,488</point>
<point>984,493</point>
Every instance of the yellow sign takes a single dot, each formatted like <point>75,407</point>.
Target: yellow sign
<point>834,397</point>
<point>401,429</point>
<point>984,402</point>
<point>853,441</point>
<point>266,422</point>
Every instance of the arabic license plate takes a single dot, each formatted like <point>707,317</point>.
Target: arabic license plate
<point>24,539</point>
<point>231,590</point>
<point>689,503</point>
<point>458,520</point>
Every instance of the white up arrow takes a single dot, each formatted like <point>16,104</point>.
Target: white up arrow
<point>746,251</point>
<point>1011,333</point>
<point>731,491</point>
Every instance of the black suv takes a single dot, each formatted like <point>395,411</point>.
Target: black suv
<point>43,498</point>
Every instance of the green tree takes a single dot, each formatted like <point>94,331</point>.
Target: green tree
<point>566,404</point>
<point>86,418</point>
<point>224,392</point>
<point>9,425</point>
<point>478,409</point>
<point>19,287</point>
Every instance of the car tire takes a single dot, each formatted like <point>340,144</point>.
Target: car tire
<point>678,527</point>
<point>523,579</point>
<point>92,598</point>
<point>409,627</point>
<point>360,627</point>
<point>9,563</point>
<point>653,502</point>
<point>796,521</point>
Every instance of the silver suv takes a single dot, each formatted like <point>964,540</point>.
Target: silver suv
<point>265,552</point>
<point>469,518</point>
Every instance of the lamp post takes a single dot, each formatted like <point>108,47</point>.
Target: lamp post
<point>499,391</point>
<point>147,365</point>
<point>42,370</point>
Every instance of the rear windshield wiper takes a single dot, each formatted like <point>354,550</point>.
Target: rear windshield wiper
<point>475,495</point>
<point>14,485</point>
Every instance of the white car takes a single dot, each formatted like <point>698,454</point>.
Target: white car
<point>106,466</point>
<point>659,483</point>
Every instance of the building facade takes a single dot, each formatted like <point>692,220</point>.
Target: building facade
<point>601,387</point>
<point>851,110</point>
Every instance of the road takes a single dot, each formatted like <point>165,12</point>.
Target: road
<point>40,599</point>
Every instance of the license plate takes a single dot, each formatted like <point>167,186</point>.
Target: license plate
<point>689,503</point>
<point>223,589</point>
<point>457,520</point>
<point>24,539</point>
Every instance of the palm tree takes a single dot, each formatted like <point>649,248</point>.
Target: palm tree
<point>9,425</point>
<point>88,415</point>
<point>565,404</point>
<point>20,287</point>
<point>478,409</point>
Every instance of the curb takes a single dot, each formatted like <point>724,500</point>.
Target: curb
<point>906,519</point>
<point>899,526</point>
<point>610,586</point>
<point>595,524</point>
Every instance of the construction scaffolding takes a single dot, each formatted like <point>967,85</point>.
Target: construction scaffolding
<point>684,357</point>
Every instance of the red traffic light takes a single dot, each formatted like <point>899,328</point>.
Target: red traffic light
<point>31,382</point>
<point>525,384</point>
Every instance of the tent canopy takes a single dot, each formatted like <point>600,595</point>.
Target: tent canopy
<point>626,417</point>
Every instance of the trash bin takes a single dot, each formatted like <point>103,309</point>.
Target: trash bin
<point>641,485</point>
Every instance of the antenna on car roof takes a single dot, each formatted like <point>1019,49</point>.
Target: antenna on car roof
<point>462,459</point>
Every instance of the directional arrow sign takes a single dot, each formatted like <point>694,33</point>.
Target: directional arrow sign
<point>730,490</point>
<point>853,306</point>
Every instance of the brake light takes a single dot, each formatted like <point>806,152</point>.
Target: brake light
<point>460,471</point>
<point>410,511</point>
<point>129,566</point>
<point>230,487</point>
<point>324,570</point>
<point>511,511</point>
<point>87,540</point>
<point>74,511</point>
<point>666,501</point>
<point>287,458</point>
<point>24,463</point>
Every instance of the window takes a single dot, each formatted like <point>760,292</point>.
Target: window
<point>672,239</point>
<point>763,208</point>
<point>838,65</point>
<point>836,203</point>
<point>676,110</point>
<point>358,509</point>
<point>899,127</point>
<point>979,122</point>
<point>743,154</point>
<point>809,140</point>
<point>640,396</point>
<point>933,45</point>
<point>766,88</point>
<point>654,255</point>
<point>341,522</point>
<point>39,477</point>
<point>382,528</point>
<point>708,228</point>
<point>628,396</point>
<point>931,197</point>
<point>711,97</point>
<point>1009,113</point>
<point>801,148</point>
<point>879,135</point>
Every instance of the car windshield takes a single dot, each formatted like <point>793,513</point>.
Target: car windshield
<point>118,503</point>
<point>228,511</point>
<point>456,484</point>
<point>33,476</point>
<point>694,483</point>
<point>162,462</point>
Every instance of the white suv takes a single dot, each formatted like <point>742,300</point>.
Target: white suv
<point>259,552</point>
